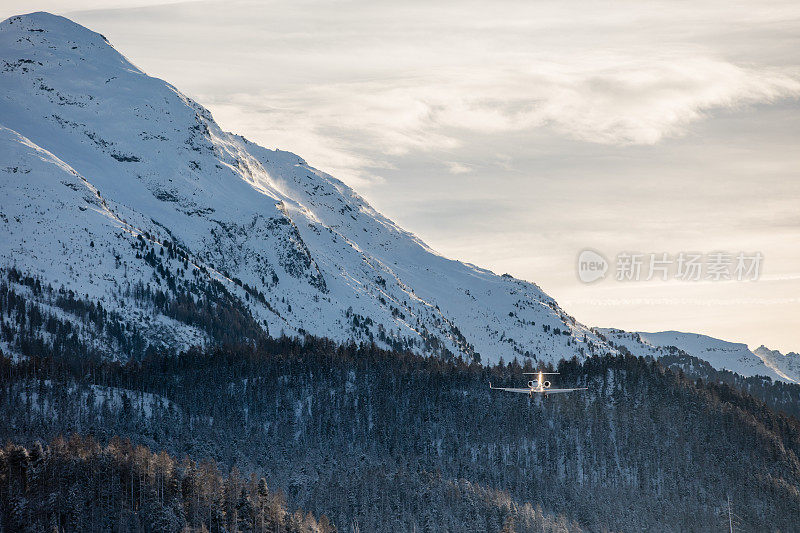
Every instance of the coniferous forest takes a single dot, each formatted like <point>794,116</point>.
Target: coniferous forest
<point>375,440</point>
<point>280,434</point>
<point>77,485</point>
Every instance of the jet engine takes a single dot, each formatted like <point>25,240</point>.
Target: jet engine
<point>546,384</point>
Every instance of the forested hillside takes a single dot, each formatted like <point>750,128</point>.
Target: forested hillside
<point>77,485</point>
<point>381,440</point>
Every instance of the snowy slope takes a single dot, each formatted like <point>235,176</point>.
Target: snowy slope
<point>788,365</point>
<point>720,354</point>
<point>103,168</point>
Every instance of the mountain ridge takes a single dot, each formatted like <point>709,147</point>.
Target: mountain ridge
<point>123,185</point>
<point>324,260</point>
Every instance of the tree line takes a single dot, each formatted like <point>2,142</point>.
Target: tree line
<point>79,485</point>
<point>381,440</point>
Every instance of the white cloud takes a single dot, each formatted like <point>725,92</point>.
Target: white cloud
<point>349,127</point>
<point>458,168</point>
<point>354,86</point>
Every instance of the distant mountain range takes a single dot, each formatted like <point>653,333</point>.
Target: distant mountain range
<point>122,194</point>
<point>721,355</point>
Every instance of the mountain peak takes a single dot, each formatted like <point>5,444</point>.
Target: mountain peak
<point>40,42</point>
<point>44,19</point>
<point>52,29</point>
<point>148,171</point>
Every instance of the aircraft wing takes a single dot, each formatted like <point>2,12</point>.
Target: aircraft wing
<point>523,391</point>
<point>507,389</point>
<point>529,391</point>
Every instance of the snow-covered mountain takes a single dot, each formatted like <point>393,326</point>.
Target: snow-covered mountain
<point>720,354</point>
<point>788,365</point>
<point>121,189</point>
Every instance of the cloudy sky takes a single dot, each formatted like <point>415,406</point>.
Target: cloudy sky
<point>513,135</point>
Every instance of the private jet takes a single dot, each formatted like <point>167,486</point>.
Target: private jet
<point>539,386</point>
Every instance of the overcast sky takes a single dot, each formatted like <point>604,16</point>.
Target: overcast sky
<point>513,135</point>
